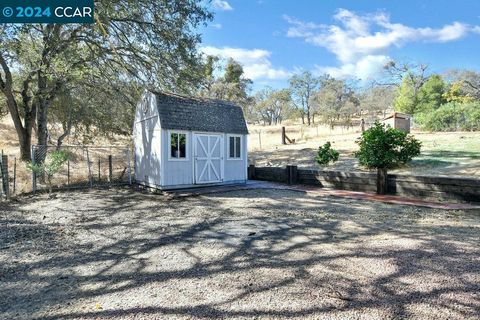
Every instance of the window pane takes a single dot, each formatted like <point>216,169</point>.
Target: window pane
<point>232,147</point>
<point>183,145</point>
<point>237,147</point>
<point>174,145</point>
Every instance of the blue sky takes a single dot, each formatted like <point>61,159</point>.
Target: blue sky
<point>351,39</point>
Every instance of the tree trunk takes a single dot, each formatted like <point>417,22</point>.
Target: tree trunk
<point>303,118</point>
<point>25,140</point>
<point>42,113</point>
<point>24,131</point>
<point>381,181</point>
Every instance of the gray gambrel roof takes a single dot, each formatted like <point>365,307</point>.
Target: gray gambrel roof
<point>198,114</point>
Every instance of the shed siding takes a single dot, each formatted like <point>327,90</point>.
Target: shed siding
<point>402,124</point>
<point>147,109</point>
<point>176,172</point>
<point>147,140</point>
<point>235,170</point>
<point>154,167</point>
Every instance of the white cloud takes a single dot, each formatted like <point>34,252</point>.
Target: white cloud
<point>360,42</point>
<point>365,68</point>
<point>256,63</point>
<point>222,5</point>
<point>216,25</point>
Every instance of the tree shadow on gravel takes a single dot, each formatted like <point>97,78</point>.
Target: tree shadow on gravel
<point>247,254</point>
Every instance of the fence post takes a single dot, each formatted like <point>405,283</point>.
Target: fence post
<point>68,172</point>
<point>292,175</point>
<point>89,169</point>
<point>382,181</point>
<point>34,175</point>
<point>5,175</point>
<point>260,139</point>
<point>110,168</point>
<point>129,167</point>
<point>99,174</point>
<point>251,172</point>
<point>14,175</point>
<point>284,141</point>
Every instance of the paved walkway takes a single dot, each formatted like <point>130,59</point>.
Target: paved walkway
<point>253,184</point>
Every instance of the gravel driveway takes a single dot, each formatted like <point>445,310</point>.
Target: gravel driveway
<point>245,254</point>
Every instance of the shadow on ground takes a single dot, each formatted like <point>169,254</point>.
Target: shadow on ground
<point>257,253</point>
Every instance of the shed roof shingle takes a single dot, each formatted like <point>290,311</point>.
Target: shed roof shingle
<point>198,114</point>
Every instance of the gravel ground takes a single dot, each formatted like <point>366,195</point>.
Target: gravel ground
<point>245,254</point>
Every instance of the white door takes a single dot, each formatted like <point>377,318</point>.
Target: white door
<point>208,158</point>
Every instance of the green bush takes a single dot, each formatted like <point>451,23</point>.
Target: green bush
<point>50,166</point>
<point>384,147</point>
<point>452,116</point>
<point>326,154</point>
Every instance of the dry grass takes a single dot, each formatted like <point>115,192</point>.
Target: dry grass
<point>79,171</point>
<point>443,153</point>
<point>449,153</point>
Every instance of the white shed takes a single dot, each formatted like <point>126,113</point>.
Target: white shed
<point>185,142</point>
<point>397,120</point>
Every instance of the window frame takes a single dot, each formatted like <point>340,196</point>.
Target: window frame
<point>170,158</point>
<point>240,158</point>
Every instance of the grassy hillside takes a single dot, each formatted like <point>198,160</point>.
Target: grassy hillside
<point>443,153</point>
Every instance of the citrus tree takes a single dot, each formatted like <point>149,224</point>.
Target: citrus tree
<point>384,148</point>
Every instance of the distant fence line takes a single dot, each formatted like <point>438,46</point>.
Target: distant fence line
<point>448,188</point>
<point>86,167</point>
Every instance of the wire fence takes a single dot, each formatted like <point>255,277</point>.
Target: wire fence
<point>85,167</point>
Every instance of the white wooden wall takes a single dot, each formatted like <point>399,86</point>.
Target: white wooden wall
<point>147,142</point>
<point>235,170</point>
<point>181,172</point>
<point>154,167</point>
<point>177,171</point>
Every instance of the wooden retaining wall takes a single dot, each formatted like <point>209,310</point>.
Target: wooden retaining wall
<point>430,187</point>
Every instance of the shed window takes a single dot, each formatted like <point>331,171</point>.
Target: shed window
<point>235,148</point>
<point>178,145</point>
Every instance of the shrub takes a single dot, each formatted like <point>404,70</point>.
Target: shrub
<point>452,116</point>
<point>384,147</point>
<point>50,166</point>
<point>326,154</point>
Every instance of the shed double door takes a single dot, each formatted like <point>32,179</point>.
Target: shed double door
<point>208,158</point>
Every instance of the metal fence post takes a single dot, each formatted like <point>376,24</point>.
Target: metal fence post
<point>89,169</point>
<point>34,175</point>
<point>110,169</point>
<point>5,175</point>
<point>68,172</point>
<point>14,175</point>
<point>129,167</point>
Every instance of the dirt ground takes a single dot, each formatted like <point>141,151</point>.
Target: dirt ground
<point>245,254</point>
